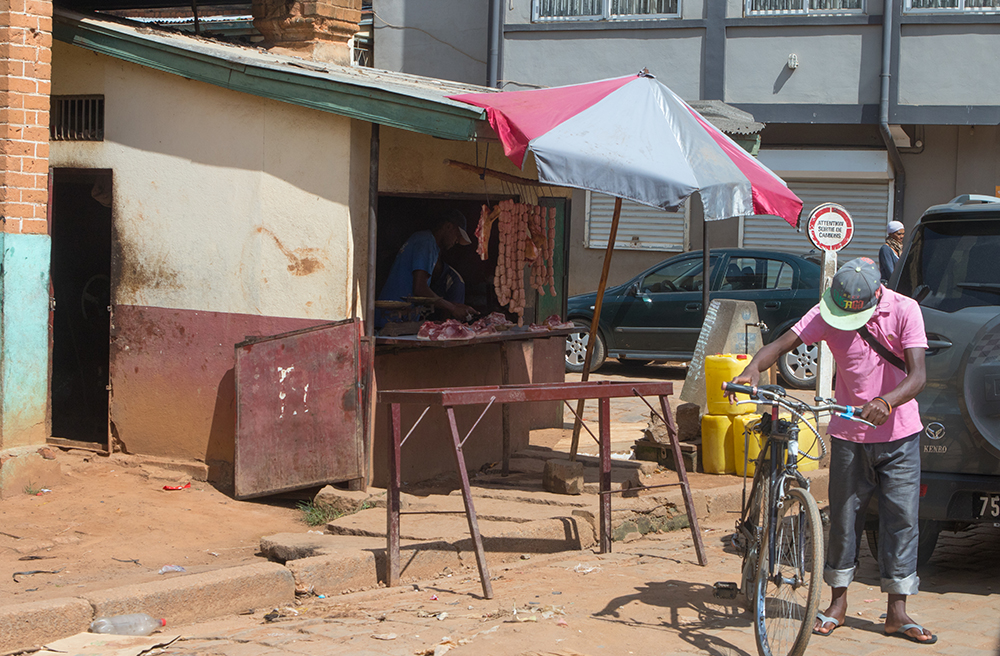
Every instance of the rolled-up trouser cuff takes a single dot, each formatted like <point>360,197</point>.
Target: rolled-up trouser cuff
<point>904,586</point>
<point>838,578</point>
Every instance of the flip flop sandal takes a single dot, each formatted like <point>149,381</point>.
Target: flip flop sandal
<point>901,632</point>
<point>830,620</point>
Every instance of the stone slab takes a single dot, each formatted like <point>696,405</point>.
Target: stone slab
<point>195,597</point>
<point>30,625</point>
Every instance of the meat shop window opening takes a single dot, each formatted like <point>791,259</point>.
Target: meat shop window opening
<point>410,227</point>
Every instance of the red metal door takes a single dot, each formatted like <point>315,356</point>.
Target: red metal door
<point>299,410</point>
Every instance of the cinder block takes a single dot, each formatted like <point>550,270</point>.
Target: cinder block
<point>422,561</point>
<point>563,477</point>
<point>333,574</point>
<point>198,597</point>
<point>32,624</point>
<point>540,536</point>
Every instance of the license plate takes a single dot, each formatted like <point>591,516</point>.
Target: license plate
<point>986,506</point>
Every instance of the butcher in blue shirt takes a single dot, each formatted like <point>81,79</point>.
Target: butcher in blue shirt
<point>415,264</point>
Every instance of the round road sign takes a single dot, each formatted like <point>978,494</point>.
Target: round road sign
<point>830,227</point>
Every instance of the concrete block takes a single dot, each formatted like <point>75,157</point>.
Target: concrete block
<point>331,574</point>
<point>563,477</point>
<point>166,467</point>
<point>32,624</point>
<point>287,547</point>
<point>724,330</point>
<point>343,502</point>
<point>424,560</point>
<point>198,597</point>
<point>24,467</point>
<point>541,536</point>
<point>688,419</point>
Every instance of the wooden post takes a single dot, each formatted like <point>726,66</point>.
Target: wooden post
<point>595,322</point>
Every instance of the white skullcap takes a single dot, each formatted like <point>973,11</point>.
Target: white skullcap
<point>894,226</point>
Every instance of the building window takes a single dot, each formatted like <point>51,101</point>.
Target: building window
<point>77,118</point>
<point>757,7</point>
<point>953,5</point>
<point>640,228</point>
<point>557,10</point>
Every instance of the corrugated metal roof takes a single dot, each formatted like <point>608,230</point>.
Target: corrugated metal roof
<point>727,118</point>
<point>400,100</point>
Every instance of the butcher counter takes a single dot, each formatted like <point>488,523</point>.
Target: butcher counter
<point>514,356</point>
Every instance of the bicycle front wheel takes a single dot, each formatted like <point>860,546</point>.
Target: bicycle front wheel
<point>788,586</point>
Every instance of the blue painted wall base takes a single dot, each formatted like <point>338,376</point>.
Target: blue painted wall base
<point>24,339</point>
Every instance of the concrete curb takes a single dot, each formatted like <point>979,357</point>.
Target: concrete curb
<point>182,600</point>
<point>234,590</point>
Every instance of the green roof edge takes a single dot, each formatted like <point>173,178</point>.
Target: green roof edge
<point>356,101</point>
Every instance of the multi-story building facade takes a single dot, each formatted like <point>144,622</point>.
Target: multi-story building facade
<point>885,106</point>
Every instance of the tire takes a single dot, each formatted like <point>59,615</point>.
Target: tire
<point>798,367</point>
<point>784,612</point>
<point>929,532</point>
<point>576,349</point>
<point>754,517</point>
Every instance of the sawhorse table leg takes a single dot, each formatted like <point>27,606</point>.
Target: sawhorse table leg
<point>392,516</point>
<point>470,510</point>
<point>668,419</point>
<point>604,422</point>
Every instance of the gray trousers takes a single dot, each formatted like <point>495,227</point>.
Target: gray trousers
<point>857,471</point>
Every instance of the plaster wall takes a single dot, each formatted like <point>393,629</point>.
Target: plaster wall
<point>949,65</point>
<point>549,59</point>
<point>223,202</point>
<point>836,65</point>
<point>24,343</point>
<point>445,39</point>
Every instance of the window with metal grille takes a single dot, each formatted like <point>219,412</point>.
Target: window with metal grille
<point>758,7</point>
<point>552,10</point>
<point>953,5</point>
<point>77,118</point>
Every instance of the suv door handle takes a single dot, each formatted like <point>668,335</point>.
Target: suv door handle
<point>772,305</point>
<point>937,343</point>
<point>693,307</point>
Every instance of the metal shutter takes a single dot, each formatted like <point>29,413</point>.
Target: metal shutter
<point>867,203</point>
<point>639,228</point>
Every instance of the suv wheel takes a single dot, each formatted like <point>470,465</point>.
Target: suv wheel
<point>798,367</point>
<point>576,349</point>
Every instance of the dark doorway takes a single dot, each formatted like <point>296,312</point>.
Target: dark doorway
<point>81,286</point>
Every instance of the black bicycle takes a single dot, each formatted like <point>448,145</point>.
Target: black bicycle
<point>779,532</point>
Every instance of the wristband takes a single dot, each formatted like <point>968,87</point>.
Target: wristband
<point>887,404</point>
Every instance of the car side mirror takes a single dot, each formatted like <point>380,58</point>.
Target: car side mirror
<point>633,289</point>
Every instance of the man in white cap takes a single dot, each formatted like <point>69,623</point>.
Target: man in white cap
<point>890,251</point>
<point>884,460</point>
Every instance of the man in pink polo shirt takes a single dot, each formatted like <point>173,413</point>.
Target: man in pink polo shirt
<point>884,460</point>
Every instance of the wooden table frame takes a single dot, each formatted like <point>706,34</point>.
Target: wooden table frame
<point>448,398</point>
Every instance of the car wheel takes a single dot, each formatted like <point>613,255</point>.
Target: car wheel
<point>798,367</point>
<point>576,349</point>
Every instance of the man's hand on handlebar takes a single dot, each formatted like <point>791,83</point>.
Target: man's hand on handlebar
<point>875,411</point>
<point>749,378</point>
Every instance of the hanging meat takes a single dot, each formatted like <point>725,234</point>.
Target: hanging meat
<point>524,240</point>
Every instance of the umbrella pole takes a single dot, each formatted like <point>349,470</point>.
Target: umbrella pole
<point>706,281</point>
<point>594,323</point>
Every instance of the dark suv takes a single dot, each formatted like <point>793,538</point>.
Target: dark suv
<point>951,266</point>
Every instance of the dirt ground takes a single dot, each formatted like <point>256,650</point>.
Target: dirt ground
<point>109,522</point>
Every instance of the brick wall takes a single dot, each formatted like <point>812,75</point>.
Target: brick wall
<point>25,78</point>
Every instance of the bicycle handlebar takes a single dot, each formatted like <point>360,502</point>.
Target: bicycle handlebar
<point>774,395</point>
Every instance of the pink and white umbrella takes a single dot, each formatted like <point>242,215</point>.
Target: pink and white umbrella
<point>633,138</point>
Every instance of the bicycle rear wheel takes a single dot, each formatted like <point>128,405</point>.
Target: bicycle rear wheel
<point>751,532</point>
<point>787,595</point>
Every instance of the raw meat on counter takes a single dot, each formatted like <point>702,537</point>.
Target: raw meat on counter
<point>489,325</point>
<point>552,323</point>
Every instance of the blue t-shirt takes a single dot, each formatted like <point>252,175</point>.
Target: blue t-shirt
<point>419,253</point>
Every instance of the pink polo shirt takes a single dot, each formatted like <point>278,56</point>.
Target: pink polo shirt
<point>862,374</point>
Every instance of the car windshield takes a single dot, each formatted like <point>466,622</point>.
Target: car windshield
<point>677,276</point>
<point>954,263</point>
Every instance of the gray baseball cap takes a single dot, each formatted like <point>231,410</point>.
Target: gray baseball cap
<point>853,296</point>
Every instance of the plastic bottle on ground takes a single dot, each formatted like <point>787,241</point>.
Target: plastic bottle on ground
<point>137,624</point>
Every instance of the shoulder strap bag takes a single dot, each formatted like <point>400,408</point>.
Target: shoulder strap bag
<point>886,354</point>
